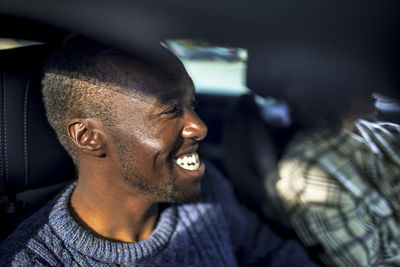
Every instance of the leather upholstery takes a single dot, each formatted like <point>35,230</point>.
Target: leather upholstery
<point>251,158</point>
<point>30,155</point>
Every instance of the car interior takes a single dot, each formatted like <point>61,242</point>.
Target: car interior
<point>247,131</point>
<point>34,166</point>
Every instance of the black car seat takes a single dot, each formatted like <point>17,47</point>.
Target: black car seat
<point>252,152</point>
<point>33,165</point>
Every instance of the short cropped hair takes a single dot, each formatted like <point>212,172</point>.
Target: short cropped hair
<point>73,86</point>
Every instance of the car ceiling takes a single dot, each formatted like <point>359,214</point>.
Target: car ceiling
<point>257,25</point>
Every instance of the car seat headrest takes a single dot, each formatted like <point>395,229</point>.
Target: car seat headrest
<point>30,155</point>
<point>251,158</point>
<point>250,154</point>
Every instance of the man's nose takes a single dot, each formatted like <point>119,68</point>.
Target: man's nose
<point>194,127</point>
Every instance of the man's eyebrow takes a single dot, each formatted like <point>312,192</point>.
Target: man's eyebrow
<point>171,96</point>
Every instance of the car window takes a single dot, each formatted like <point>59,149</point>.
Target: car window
<point>8,43</point>
<point>214,69</point>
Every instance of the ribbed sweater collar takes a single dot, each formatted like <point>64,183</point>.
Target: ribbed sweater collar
<point>105,250</point>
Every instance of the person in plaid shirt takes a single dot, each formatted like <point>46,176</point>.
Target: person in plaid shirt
<point>339,176</point>
<point>342,191</point>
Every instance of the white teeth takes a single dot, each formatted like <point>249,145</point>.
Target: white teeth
<point>189,161</point>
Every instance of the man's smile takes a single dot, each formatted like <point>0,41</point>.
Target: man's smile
<point>190,161</point>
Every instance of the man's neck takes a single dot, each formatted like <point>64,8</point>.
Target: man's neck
<point>112,212</point>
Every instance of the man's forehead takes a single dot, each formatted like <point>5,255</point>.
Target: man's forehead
<point>148,82</point>
<point>158,92</point>
<point>171,69</point>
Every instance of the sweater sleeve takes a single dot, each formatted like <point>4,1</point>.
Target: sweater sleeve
<point>253,241</point>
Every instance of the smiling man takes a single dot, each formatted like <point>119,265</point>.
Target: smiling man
<point>142,197</point>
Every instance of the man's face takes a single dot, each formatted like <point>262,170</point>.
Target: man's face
<point>156,134</point>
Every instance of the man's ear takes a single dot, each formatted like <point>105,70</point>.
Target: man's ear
<point>87,136</point>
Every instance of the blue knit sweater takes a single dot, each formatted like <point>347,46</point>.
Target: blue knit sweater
<point>214,231</point>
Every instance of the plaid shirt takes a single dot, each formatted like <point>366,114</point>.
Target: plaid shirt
<point>342,191</point>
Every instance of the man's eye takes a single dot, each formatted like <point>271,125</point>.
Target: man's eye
<point>171,110</point>
<point>194,103</point>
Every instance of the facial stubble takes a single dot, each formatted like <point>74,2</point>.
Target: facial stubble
<point>157,189</point>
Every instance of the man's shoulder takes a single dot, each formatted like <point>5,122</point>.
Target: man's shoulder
<point>215,186</point>
<point>310,143</point>
<point>16,247</point>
